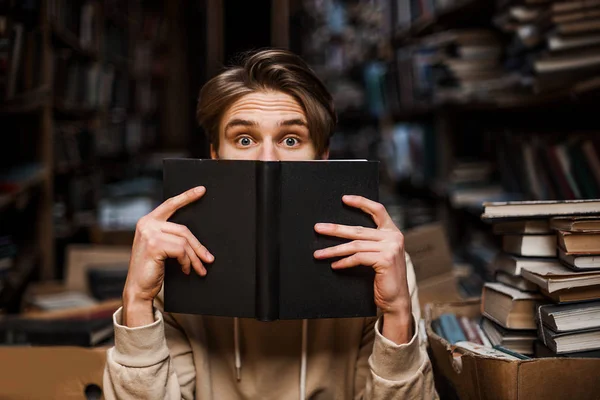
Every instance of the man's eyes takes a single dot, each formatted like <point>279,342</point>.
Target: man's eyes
<point>247,141</point>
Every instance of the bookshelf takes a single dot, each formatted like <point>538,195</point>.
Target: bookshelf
<point>455,13</point>
<point>81,92</point>
<point>539,126</point>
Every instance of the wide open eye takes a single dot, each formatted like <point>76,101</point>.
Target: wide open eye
<point>291,141</point>
<point>245,141</point>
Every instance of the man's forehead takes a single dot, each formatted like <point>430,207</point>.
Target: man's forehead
<point>267,102</point>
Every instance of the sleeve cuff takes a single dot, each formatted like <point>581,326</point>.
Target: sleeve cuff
<point>141,346</point>
<point>396,362</point>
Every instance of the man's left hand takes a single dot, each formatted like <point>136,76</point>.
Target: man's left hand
<point>382,248</point>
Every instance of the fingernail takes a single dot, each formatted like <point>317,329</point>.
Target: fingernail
<point>209,256</point>
<point>321,226</point>
<point>318,253</point>
<point>199,189</point>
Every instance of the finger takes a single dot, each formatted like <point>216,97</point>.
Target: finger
<point>183,231</point>
<point>194,260</point>
<point>349,232</point>
<point>363,258</point>
<point>347,249</point>
<point>169,206</point>
<point>373,208</point>
<point>174,247</point>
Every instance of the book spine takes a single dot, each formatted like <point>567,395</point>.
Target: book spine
<point>267,240</point>
<point>451,328</point>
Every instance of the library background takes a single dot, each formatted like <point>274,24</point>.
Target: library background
<point>464,102</point>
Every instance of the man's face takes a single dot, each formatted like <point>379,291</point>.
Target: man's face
<point>267,126</point>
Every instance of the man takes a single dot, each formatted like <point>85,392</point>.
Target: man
<point>271,107</point>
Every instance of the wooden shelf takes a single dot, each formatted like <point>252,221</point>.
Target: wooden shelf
<point>356,118</point>
<point>27,102</point>
<point>8,199</point>
<point>425,191</point>
<point>456,15</point>
<point>413,113</point>
<point>583,93</point>
<point>76,112</point>
<point>66,38</point>
<point>18,277</point>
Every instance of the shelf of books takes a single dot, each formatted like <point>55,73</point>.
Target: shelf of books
<point>80,86</point>
<point>491,127</point>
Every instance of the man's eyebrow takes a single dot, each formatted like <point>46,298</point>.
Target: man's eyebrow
<point>292,122</point>
<point>240,122</point>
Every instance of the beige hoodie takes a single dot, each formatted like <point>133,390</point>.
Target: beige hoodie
<point>190,356</point>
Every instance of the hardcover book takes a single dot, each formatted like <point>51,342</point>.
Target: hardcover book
<point>257,218</point>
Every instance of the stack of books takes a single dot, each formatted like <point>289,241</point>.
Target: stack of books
<point>556,254</point>
<point>554,42</point>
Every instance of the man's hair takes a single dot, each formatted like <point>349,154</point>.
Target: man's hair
<point>266,70</point>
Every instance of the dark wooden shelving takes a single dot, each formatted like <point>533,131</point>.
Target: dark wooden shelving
<point>584,94</point>
<point>27,102</point>
<point>460,14</point>
<point>8,199</point>
<point>17,278</point>
<point>68,112</point>
<point>65,38</point>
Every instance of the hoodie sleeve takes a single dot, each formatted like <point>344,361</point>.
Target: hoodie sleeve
<point>386,370</point>
<point>140,365</point>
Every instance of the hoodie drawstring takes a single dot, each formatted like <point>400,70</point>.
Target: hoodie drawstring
<point>236,344</point>
<point>303,358</point>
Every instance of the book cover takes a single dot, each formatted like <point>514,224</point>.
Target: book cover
<point>539,209</point>
<point>257,218</point>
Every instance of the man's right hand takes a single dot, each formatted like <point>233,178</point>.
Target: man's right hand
<point>155,240</point>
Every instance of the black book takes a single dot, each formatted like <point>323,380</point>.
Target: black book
<point>55,332</point>
<point>257,218</point>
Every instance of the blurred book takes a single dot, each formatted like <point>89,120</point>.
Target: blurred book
<point>542,351</point>
<point>516,281</point>
<point>540,209</point>
<point>509,307</point>
<point>579,242</point>
<point>570,317</point>
<point>522,227</point>
<point>530,245</point>
<point>563,284</point>
<point>55,332</point>
<point>576,224</point>
<point>520,341</point>
<point>579,262</point>
<point>62,300</point>
<point>571,341</point>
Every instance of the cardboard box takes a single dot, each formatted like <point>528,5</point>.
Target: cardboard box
<point>466,375</point>
<point>429,251</point>
<point>438,289</point>
<point>100,236</point>
<point>51,373</point>
<point>58,372</point>
<point>81,257</point>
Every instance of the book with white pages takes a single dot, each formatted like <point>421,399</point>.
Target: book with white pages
<point>539,209</point>
<point>571,341</point>
<point>579,262</point>
<point>530,245</point>
<point>509,307</point>
<point>570,317</point>
<point>513,264</point>
<point>558,277</point>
